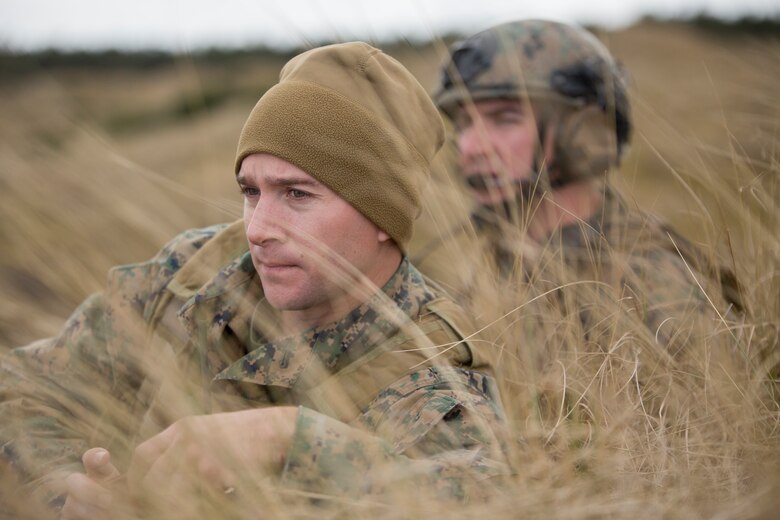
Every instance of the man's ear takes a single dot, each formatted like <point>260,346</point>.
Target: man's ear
<point>549,148</point>
<point>586,144</point>
<point>383,237</point>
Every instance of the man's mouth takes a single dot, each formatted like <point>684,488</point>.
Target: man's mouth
<point>276,272</point>
<point>488,182</point>
<point>277,265</point>
<point>489,188</point>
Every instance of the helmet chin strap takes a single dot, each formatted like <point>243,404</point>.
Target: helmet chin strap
<point>546,168</point>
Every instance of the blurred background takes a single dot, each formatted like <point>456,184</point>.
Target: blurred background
<point>119,120</point>
<point>183,26</point>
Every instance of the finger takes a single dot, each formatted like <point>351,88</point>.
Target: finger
<point>187,469</point>
<point>147,453</point>
<point>75,510</point>
<point>164,473</point>
<point>84,490</point>
<point>97,463</point>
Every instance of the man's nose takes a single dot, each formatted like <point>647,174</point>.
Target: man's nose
<point>265,223</point>
<point>473,142</point>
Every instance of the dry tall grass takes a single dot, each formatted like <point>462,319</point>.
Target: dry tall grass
<point>610,427</point>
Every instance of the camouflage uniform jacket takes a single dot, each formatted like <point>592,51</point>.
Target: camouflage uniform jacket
<point>630,257</point>
<point>393,386</point>
<point>658,274</point>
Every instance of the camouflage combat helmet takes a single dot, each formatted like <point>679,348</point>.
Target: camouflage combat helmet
<point>570,79</point>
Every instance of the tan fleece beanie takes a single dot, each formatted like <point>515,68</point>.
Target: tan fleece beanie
<point>356,120</point>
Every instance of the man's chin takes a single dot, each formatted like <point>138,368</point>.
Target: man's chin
<point>284,302</point>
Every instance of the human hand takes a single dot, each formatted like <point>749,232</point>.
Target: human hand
<point>211,451</point>
<point>89,495</point>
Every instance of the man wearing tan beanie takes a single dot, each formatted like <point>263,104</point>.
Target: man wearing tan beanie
<point>297,348</point>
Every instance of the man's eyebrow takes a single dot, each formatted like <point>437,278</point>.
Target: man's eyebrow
<point>282,181</point>
<point>290,181</point>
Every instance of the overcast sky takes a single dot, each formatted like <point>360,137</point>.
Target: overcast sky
<point>182,25</point>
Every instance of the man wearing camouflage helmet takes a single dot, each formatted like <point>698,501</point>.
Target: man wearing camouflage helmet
<point>541,116</point>
<point>531,97</point>
<point>298,344</point>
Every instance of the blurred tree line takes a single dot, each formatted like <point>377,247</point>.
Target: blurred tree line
<point>15,65</point>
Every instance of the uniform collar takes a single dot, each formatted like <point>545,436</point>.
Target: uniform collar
<point>232,304</point>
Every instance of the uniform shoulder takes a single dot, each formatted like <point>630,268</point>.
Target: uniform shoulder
<point>187,243</point>
<point>142,282</point>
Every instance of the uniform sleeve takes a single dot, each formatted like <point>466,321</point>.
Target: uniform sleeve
<point>439,429</point>
<point>44,424</point>
<point>80,389</point>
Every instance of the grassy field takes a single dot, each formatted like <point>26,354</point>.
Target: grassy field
<point>101,165</point>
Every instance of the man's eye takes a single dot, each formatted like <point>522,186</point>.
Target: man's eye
<point>249,191</point>
<point>509,118</point>
<point>297,194</point>
<point>461,121</point>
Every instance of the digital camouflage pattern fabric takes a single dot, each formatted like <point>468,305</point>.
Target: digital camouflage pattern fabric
<point>612,287</point>
<point>646,268</point>
<point>394,391</point>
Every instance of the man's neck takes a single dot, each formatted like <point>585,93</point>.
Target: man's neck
<point>565,206</point>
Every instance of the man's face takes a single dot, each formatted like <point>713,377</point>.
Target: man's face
<point>295,227</point>
<point>497,139</point>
